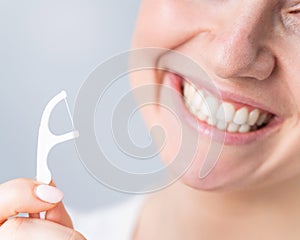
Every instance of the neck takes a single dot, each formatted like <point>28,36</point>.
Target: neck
<point>235,204</point>
<point>268,212</point>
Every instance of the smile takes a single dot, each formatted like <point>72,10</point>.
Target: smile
<point>242,122</point>
<point>221,114</point>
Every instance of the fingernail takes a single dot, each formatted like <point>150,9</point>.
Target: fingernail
<point>48,194</point>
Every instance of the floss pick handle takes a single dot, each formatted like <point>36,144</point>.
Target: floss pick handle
<point>47,140</point>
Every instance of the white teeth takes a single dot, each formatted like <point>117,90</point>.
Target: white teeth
<point>222,125</point>
<point>210,106</point>
<point>241,116</point>
<point>212,121</point>
<point>198,98</point>
<point>232,127</point>
<point>222,114</point>
<point>253,117</point>
<point>244,128</point>
<point>186,90</point>
<point>226,112</point>
<point>193,110</point>
<point>261,119</point>
<point>189,92</point>
<point>201,116</point>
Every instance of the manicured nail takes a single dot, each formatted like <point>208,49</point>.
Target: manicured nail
<point>49,194</point>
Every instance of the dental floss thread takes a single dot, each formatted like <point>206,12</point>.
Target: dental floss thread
<point>69,112</point>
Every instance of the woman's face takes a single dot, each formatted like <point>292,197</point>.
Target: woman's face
<point>250,51</point>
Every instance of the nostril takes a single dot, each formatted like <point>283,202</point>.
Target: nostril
<point>265,65</point>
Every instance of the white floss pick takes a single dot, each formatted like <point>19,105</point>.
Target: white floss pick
<point>47,140</point>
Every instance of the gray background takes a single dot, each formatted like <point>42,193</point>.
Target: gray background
<point>47,46</point>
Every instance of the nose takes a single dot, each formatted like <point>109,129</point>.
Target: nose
<point>240,50</point>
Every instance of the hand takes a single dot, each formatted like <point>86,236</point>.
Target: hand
<point>28,196</point>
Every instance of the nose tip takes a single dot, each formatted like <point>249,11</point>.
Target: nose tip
<point>237,54</point>
<point>236,63</point>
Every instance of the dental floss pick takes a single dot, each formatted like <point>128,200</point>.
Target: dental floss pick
<point>47,140</point>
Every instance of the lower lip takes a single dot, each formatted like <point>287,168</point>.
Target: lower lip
<point>175,81</point>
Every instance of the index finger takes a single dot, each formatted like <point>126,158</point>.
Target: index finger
<point>20,196</point>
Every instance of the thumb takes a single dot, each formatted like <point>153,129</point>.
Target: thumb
<point>59,215</point>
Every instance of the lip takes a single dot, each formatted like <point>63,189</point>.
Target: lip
<point>175,82</point>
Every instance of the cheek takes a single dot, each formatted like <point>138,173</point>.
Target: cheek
<point>167,23</point>
<point>160,115</point>
<point>172,129</point>
<point>293,82</point>
<point>288,52</point>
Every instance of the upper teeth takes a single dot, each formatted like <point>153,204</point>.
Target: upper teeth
<point>223,115</point>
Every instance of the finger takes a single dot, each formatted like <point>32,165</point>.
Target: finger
<point>36,229</point>
<point>59,215</point>
<point>42,214</point>
<point>25,195</point>
<point>34,215</point>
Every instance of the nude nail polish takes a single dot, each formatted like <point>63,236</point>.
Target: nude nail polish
<point>49,194</point>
